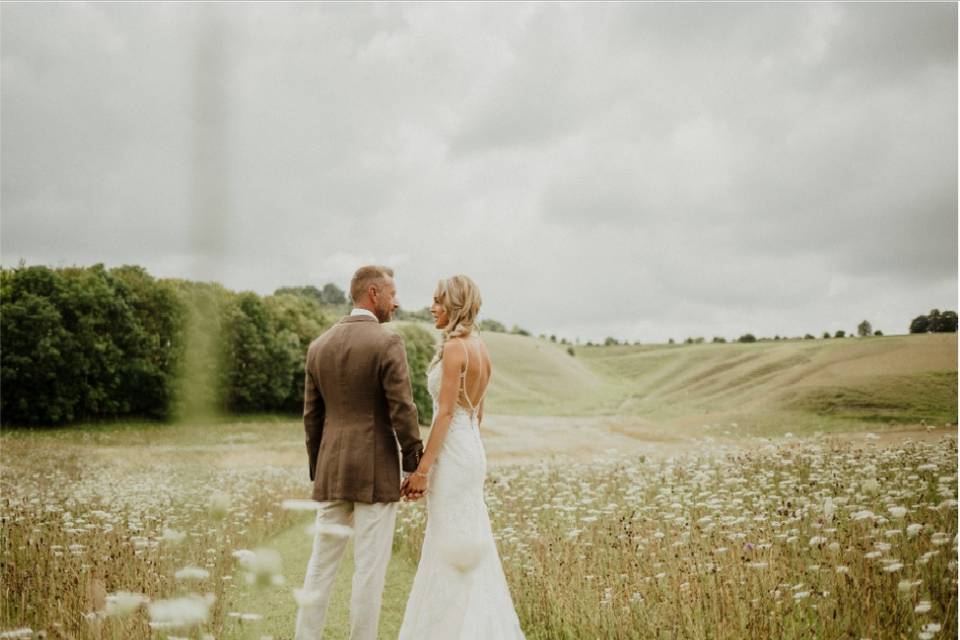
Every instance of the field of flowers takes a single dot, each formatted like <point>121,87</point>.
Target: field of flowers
<point>810,540</point>
<point>804,539</point>
<point>97,549</point>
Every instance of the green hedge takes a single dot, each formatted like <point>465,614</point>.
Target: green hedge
<point>421,346</point>
<point>81,344</point>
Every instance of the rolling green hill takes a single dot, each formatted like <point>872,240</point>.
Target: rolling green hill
<point>821,384</point>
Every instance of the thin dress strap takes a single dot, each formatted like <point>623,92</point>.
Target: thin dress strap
<point>463,376</point>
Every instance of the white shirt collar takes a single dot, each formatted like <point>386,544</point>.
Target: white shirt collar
<point>362,312</point>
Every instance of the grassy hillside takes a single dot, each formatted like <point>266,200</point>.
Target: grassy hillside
<point>822,384</point>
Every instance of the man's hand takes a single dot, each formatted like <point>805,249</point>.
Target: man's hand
<point>413,488</point>
<point>405,492</point>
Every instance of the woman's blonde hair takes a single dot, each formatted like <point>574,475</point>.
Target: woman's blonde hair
<point>460,297</point>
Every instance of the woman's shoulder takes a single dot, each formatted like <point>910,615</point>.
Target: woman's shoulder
<point>453,351</point>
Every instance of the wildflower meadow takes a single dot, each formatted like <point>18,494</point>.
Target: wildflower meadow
<point>814,538</point>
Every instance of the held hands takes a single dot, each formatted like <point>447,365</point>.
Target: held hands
<point>414,486</point>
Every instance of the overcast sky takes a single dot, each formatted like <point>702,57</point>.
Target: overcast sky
<point>638,170</point>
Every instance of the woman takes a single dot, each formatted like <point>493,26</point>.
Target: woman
<point>460,590</point>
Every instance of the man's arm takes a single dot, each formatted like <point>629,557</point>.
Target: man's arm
<point>395,379</point>
<point>313,414</point>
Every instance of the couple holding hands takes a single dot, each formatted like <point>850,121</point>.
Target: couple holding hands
<point>358,405</point>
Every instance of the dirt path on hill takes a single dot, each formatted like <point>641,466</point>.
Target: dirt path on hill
<point>507,440</point>
<point>523,439</point>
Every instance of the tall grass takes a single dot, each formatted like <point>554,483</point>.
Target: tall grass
<point>818,538</point>
<point>77,528</point>
<point>810,540</point>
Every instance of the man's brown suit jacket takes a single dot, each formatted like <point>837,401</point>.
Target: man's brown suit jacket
<point>357,404</point>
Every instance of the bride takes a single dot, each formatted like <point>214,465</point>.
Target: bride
<point>459,590</point>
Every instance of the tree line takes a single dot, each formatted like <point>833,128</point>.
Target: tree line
<point>90,343</point>
<point>934,322</point>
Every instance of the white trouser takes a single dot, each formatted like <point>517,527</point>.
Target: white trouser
<point>372,544</point>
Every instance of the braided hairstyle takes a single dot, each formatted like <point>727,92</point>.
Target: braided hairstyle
<point>460,298</point>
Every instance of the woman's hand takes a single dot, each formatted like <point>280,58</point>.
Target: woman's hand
<point>414,487</point>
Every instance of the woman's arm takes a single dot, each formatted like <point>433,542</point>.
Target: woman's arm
<point>452,363</point>
<point>483,399</point>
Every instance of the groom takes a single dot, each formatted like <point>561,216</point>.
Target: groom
<point>357,404</point>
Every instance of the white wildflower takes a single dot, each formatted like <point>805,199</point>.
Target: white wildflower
<point>123,603</point>
<point>188,611</point>
<point>172,535</point>
<point>263,566</point>
<point>218,504</point>
<point>940,539</point>
<point>191,572</point>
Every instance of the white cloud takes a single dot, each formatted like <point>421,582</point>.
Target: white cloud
<point>639,170</point>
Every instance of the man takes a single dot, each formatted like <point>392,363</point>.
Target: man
<point>357,404</point>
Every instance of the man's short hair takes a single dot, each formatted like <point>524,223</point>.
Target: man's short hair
<point>365,276</point>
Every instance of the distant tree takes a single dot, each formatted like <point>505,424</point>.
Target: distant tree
<point>492,325</point>
<point>935,322</point>
<point>920,324</point>
<point>808,337</point>
<point>878,332</point>
<point>519,331</point>
<point>946,322</point>
<point>307,292</point>
<point>776,337</point>
<point>564,341</point>
<point>420,347</point>
<point>671,341</point>
<point>589,343</point>
<point>747,337</point>
<point>254,358</point>
<point>553,338</point>
<point>610,342</point>
<point>332,294</point>
<point>571,351</point>
<point>719,339</point>
<point>864,329</point>
<point>688,341</point>
<point>826,335</point>
<point>422,315</point>
<point>840,334</point>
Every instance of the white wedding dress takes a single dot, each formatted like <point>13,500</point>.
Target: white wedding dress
<point>459,591</point>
